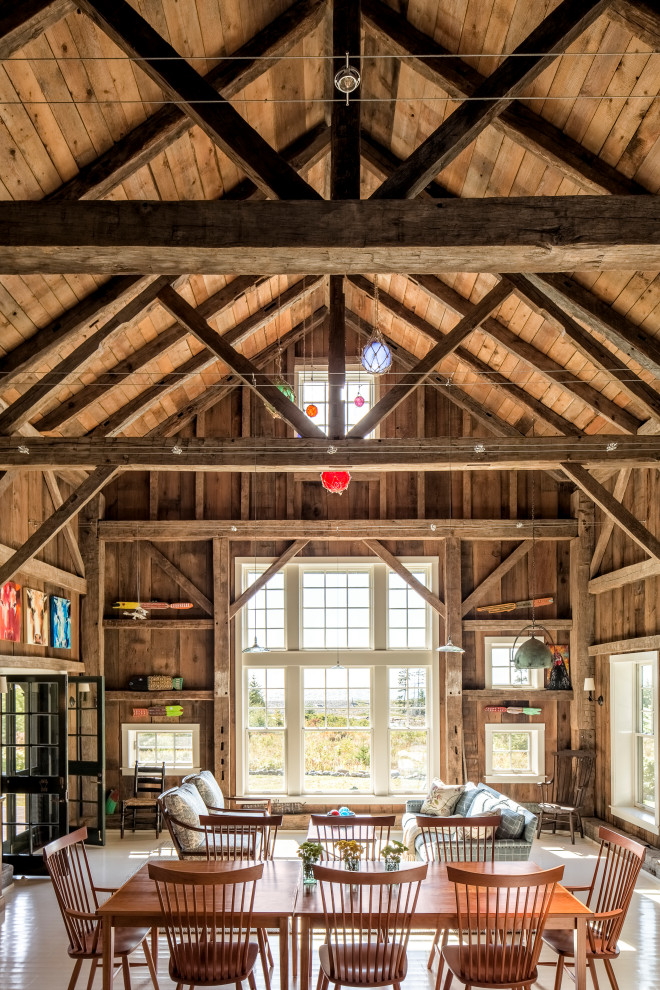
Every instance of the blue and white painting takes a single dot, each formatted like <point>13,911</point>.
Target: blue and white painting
<point>60,623</point>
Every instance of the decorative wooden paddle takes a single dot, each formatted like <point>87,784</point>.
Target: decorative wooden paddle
<point>151,605</point>
<point>511,606</point>
<point>512,710</point>
<point>171,711</point>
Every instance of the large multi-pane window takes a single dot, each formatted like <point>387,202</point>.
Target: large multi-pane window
<point>645,776</point>
<point>500,668</point>
<point>344,706</point>
<point>515,751</point>
<point>313,389</point>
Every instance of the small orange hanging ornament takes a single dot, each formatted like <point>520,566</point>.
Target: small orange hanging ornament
<point>311,410</point>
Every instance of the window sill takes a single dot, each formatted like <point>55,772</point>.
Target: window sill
<point>170,771</point>
<point>341,800</point>
<point>635,816</point>
<point>514,778</point>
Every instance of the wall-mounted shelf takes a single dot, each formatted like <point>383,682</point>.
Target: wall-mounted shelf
<point>163,624</point>
<point>510,694</point>
<point>512,625</point>
<point>158,697</point>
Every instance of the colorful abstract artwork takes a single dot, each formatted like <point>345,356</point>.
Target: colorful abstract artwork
<point>36,617</point>
<point>10,612</point>
<point>60,623</point>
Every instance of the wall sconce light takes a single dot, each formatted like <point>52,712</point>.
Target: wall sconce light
<point>590,686</point>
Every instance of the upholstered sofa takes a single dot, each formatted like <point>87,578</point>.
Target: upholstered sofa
<point>513,839</point>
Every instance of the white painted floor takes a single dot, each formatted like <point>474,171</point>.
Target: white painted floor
<point>33,943</point>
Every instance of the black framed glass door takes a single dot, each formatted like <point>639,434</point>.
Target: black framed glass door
<point>86,745</point>
<point>33,764</point>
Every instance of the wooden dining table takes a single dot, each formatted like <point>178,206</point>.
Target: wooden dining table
<point>136,904</point>
<point>436,908</point>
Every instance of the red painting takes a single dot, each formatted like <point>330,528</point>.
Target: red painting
<point>10,612</point>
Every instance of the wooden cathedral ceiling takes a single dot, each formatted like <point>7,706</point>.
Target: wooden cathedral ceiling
<point>85,130</point>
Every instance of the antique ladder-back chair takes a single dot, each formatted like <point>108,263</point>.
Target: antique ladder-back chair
<point>563,794</point>
<point>456,840</point>
<point>609,895</point>
<point>67,865</point>
<point>148,783</point>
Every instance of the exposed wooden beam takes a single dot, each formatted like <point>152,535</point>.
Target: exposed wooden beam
<point>639,16</point>
<point>420,372</point>
<point>306,453</point>
<point>552,233</point>
<point>169,123</point>
<point>552,36</point>
<point>607,524</point>
<point>637,644</point>
<point>262,580</point>
<point>599,316</point>
<point>266,389</point>
<point>22,22</point>
<point>174,423</point>
<point>520,124</point>
<point>187,586</point>
<point>222,700</point>
<point>345,158</point>
<point>611,507</point>
<point>69,535</point>
<point>587,344</point>
<point>14,663</point>
<point>512,626</point>
<point>52,526</point>
<point>336,357</point>
<point>451,667</point>
<point>404,573</point>
<point>491,582</point>
<point>624,575</point>
<point>165,530</point>
<point>162,625</point>
<point>7,479</point>
<point>37,570</point>
<point>205,106</point>
<point>36,396</point>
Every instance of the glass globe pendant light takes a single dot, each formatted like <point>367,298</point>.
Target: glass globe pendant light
<point>376,356</point>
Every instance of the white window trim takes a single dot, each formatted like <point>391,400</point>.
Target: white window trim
<point>293,660</point>
<point>369,382</point>
<point>537,730</point>
<point>536,673</point>
<point>623,740</point>
<point>129,730</point>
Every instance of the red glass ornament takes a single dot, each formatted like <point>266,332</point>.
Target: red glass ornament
<point>311,411</point>
<point>336,481</point>
<point>359,401</point>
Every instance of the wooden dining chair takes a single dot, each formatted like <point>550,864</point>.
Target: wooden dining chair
<point>372,831</point>
<point>208,918</point>
<point>453,840</point>
<point>239,836</point>
<point>500,928</point>
<point>367,925</point>
<point>609,895</point>
<point>77,897</point>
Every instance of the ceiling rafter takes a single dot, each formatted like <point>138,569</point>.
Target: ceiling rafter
<point>22,22</point>
<point>518,122</point>
<point>554,34</point>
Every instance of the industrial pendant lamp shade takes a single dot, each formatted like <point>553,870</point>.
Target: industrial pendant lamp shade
<point>449,647</point>
<point>376,356</point>
<point>336,481</point>
<point>533,653</point>
<point>255,648</point>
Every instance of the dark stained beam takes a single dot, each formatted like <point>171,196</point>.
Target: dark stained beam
<point>607,525</point>
<point>406,575</point>
<point>141,145</point>
<point>490,584</point>
<point>420,372</point>
<point>207,108</point>
<point>289,454</point>
<point>345,158</point>
<point>260,383</point>
<point>547,233</point>
<point>520,124</point>
<point>187,586</point>
<point>336,357</point>
<point>36,396</point>
<point>642,17</point>
<point>553,35</point>
<point>21,21</point>
<point>262,580</point>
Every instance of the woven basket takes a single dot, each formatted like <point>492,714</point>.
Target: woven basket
<point>159,682</point>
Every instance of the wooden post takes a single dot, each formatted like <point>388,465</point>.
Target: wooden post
<point>221,665</point>
<point>451,670</point>
<point>92,550</point>
<point>583,712</point>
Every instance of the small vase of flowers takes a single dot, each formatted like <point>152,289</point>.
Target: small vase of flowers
<point>310,853</point>
<point>392,854</point>
<point>350,851</point>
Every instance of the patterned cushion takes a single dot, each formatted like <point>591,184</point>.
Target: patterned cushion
<point>483,801</point>
<point>208,788</point>
<point>512,825</point>
<point>441,799</point>
<point>466,799</point>
<point>185,803</point>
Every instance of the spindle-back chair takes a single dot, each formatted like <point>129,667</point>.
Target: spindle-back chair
<point>371,831</point>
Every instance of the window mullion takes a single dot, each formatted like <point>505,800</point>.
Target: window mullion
<point>294,729</point>
<point>380,741</point>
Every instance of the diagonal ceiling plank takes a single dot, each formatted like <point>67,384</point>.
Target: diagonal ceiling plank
<point>265,388</point>
<point>642,17</point>
<point>69,535</point>
<point>21,22</point>
<point>141,145</point>
<point>587,344</point>
<point>395,564</point>
<point>211,111</point>
<point>420,372</point>
<point>262,580</point>
<point>173,572</point>
<point>491,582</point>
<point>35,397</point>
<point>7,478</point>
<point>520,124</point>
<point>613,508</point>
<point>553,35</point>
<point>607,526</point>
